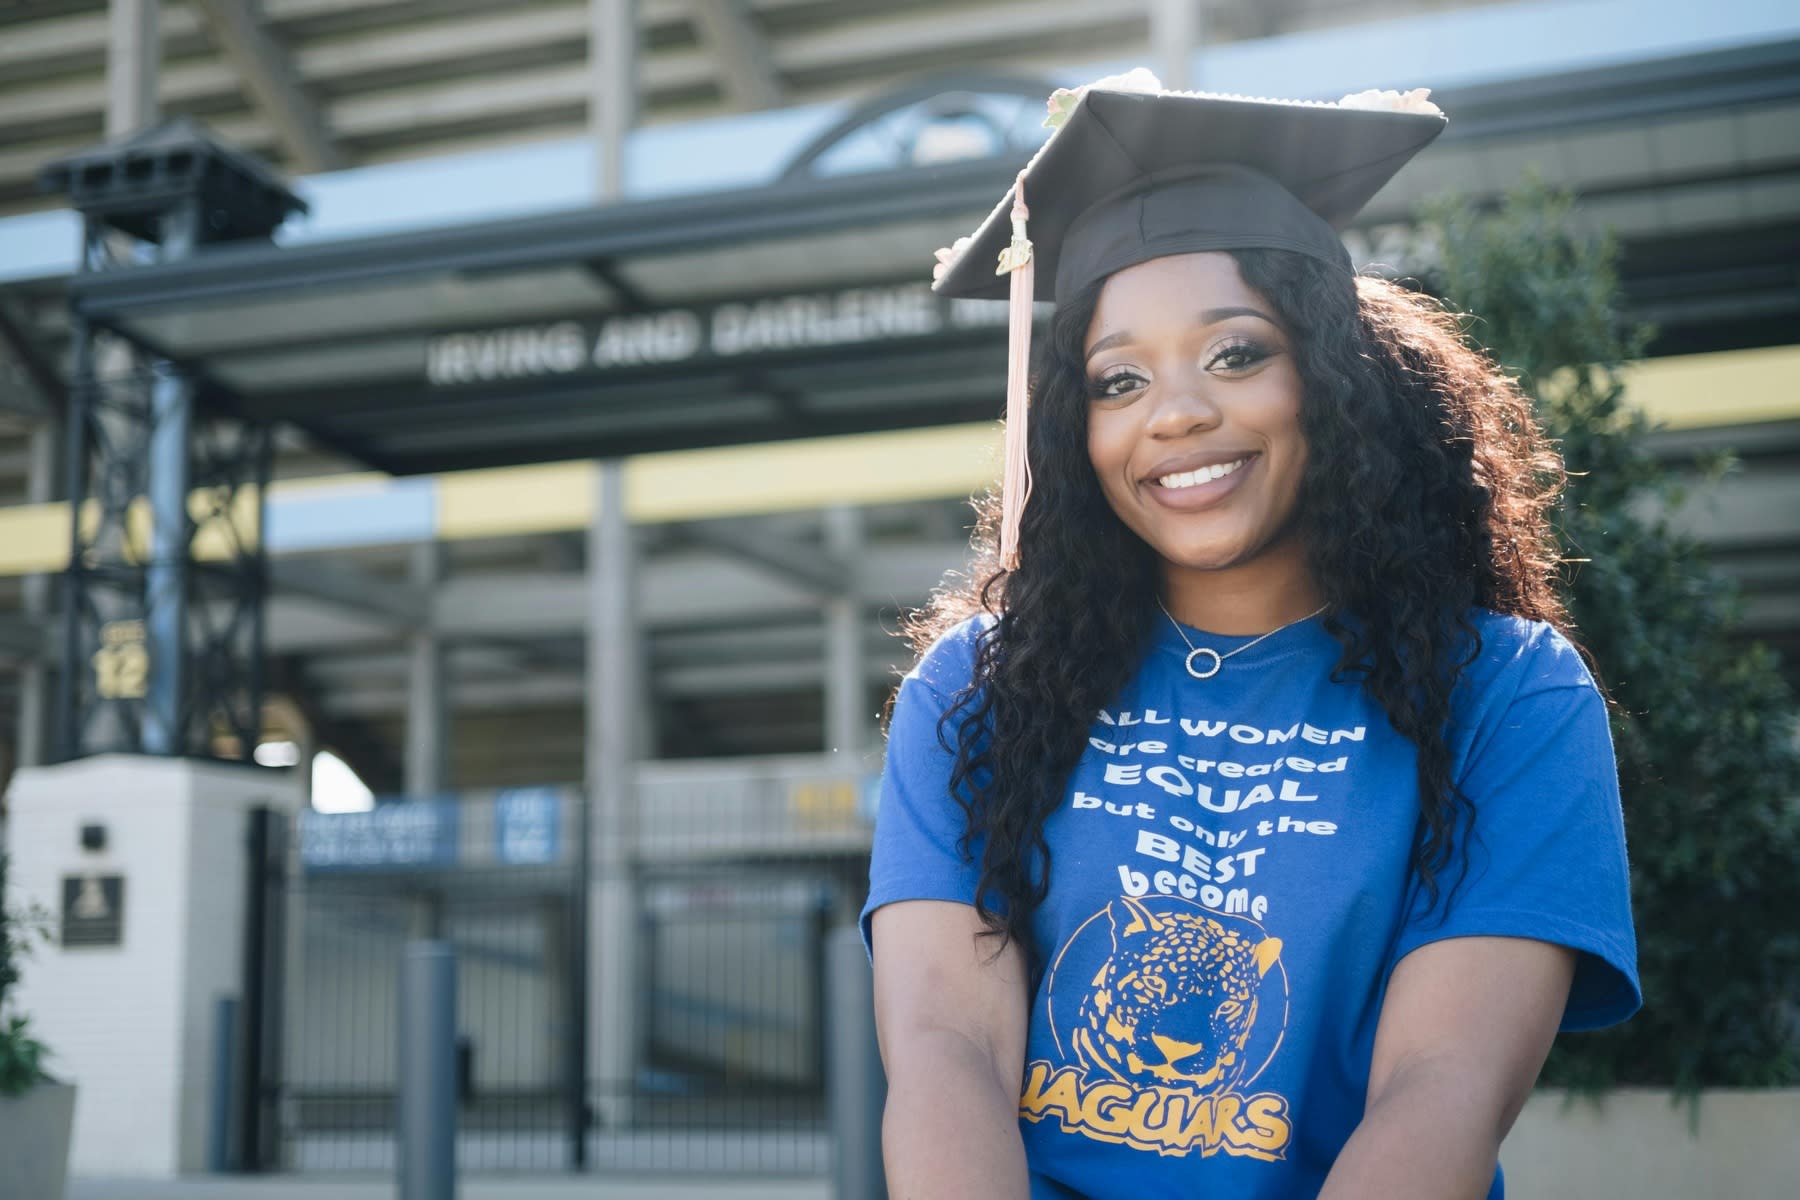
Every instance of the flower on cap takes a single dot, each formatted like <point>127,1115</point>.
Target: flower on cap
<point>1388,100</point>
<point>1062,101</point>
<point>947,256</point>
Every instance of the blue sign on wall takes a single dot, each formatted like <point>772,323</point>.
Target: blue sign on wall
<point>528,825</point>
<point>412,833</point>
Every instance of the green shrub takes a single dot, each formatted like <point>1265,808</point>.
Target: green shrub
<point>21,1055</point>
<point>1705,725</point>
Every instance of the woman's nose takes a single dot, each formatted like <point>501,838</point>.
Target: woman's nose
<point>1182,409</point>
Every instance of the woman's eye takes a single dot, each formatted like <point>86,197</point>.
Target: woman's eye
<point>1114,385</point>
<point>1238,356</point>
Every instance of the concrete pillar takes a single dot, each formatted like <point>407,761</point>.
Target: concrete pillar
<point>34,674</point>
<point>1175,36</point>
<point>130,1018</point>
<point>427,687</point>
<point>427,725</point>
<point>846,668</point>
<point>613,694</point>
<point>133,53</point>
<point>612,90</point>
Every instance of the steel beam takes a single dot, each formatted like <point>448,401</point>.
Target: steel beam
<point>267,71</point>
<point>820,571</point>
<point>746,69</point>
<point>405,605</point>
<point>52,396</point>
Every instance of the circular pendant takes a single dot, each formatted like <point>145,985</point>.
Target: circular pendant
<point>1209,672</point>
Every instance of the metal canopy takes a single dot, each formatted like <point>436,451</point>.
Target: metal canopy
<point>800,308</point>
<point>796,309</point>
<point>343,340</point>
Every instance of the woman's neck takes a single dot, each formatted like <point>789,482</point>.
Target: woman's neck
<point>1275,589</point>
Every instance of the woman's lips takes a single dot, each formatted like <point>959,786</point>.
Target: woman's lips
<point>1199,495</point>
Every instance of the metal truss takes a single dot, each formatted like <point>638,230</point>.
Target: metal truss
<point>163,619</point>
<point>163,625</point>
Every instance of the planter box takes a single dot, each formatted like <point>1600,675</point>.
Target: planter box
<point>34,1142</point>
<point>1642,1144</point>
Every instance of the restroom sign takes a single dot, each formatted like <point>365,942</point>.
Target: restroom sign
<point>93,910</point>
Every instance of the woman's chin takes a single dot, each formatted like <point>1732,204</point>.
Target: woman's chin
<point>1189,557</point>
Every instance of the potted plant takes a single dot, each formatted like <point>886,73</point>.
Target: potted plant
<point>36,1112</point>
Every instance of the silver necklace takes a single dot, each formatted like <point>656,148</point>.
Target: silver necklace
<point>1218,660</point>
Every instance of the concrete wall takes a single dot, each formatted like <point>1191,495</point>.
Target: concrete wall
<point>1637,1145</point>
<point>131,1025</point>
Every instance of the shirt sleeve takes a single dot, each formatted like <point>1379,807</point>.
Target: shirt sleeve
<point>1546,859</point>
<point>918,824</point>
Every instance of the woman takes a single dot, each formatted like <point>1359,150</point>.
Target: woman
<point>1249,827</point>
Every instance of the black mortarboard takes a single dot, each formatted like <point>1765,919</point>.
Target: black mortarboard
<point>1132,172</point>
<point>1132,175</point>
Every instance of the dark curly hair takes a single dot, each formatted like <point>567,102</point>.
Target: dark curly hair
<point>1427,491</point>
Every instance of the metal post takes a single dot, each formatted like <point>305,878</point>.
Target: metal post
<point>219,1148</point>
<point>427,1159</point>
<point>854,1079</point>
<point>845,670</point>
<point>612,94</point>
<point>166,577</point>
<point>613,695</point>
<point>264,975</point>
<point>133,53</point>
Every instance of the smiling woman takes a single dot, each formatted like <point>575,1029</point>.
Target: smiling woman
<point>1125,942</point>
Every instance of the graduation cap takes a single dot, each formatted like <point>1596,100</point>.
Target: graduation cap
<point>1132,172</point>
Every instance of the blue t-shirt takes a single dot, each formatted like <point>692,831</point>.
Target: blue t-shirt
<point>1231,887</point>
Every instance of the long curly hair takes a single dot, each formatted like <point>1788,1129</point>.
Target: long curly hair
<point>1427,490</point>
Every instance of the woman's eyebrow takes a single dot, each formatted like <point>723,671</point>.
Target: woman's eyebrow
<point>1210,316</point>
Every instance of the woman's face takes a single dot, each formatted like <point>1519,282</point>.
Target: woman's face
<point>1194,412</point>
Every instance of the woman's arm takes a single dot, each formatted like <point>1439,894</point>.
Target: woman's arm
<point>1465,1026</point>
<point>951,1020</point>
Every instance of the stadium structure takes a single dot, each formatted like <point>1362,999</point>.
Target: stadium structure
<point>538,415</point>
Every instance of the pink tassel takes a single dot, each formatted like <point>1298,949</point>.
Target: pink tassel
<point>1015,482</point>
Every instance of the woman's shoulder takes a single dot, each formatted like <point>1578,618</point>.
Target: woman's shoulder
<point>1517,656</point>
<point>948,664</point>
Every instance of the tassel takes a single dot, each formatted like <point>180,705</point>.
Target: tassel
<point>1015,482</point>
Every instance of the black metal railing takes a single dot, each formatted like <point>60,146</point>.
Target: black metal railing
<point>707,1053</point>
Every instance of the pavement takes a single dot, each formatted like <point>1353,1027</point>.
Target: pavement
<point>482,1187</point>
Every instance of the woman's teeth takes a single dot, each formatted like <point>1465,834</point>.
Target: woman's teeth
<point>1189,479</point>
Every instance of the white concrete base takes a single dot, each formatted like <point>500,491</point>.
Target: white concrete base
<point>1637,1143</point>
<point>131,1024</point>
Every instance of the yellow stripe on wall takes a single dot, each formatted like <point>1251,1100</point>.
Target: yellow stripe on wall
<point>510,500</point>
<point>866,468</point>
<point>34,538</point>
<point>1734,387</point>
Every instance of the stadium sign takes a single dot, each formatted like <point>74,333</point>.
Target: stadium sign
<point>709,333</point>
